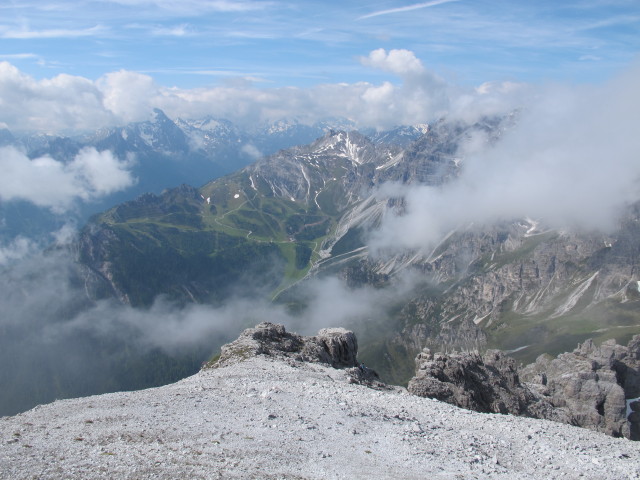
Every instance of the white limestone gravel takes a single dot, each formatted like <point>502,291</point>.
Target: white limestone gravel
<point>266,418</point>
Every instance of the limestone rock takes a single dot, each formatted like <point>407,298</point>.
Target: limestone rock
<point>336,347</point>
<point>486,383</point>
<point>595,387</point>
<point>592,385</point>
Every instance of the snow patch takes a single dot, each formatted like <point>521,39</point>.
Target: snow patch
<point>533,226</point>
<point>393,160</point>
<point>477,320</point>
<point>575,296</point>
<point>422,127</point>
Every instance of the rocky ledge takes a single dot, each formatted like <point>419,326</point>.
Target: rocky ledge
<point>596,387</point>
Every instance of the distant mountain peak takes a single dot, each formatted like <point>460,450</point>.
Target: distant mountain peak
<point>158,116</point>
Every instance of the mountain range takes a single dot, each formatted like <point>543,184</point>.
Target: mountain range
<point>159,153</point>
<point>292,236</point>
<point>75,318</point>
<point>307,213</point>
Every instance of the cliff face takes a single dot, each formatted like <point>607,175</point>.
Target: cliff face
<point>520,288</point>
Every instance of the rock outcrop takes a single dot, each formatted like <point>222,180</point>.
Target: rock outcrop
<point>336,347</point>
<point>487,383</point>
<point>596,387</point>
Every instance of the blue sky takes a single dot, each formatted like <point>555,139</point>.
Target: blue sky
<point>193,43</point>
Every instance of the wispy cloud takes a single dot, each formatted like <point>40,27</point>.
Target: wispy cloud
<point>18,56</point>
<point>407,8</point>
<point>25,34</point>
<point>548,167</point>
<point>159,30</point>
<point>197,6</point>
<point>610,22</point>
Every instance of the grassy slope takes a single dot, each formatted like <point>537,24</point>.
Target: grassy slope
<point>176,239</point>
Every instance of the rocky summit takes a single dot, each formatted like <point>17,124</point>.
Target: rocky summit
<point>274,407</point>
<point>336,347</point>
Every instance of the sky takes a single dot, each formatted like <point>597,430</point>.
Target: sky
<point>111,55</point>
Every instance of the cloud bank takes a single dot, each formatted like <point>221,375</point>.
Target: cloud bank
<point>416,96</point>
<point>571,161</point>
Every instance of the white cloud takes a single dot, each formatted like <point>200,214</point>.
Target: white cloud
<point>52,184</point>
<point>18,248</point>
<point>251,151</point>
<point>68,102</point>
<point>197,7</point>
<point>25,34</point>
<point>401,62</point>
<point>49,105</point>
<point>571,161</point>
<point>101,172</point>
<point>128,95</point>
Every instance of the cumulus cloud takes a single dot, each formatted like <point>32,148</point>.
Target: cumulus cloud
<point>50,105</point>
<point>56,185</point>
<point>401,62</point>
<point>571,161</point>
<point>418,96</point>
<point>129,96</point>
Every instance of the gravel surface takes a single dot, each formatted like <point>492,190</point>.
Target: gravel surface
<point>265,418</point>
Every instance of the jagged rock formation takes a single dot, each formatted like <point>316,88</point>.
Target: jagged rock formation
<point>336,347</point>
<point>487,383</point>
<point>592,387</point>
<point>597,386</point>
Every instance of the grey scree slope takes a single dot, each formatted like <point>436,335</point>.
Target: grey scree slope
<point>280,418</point>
